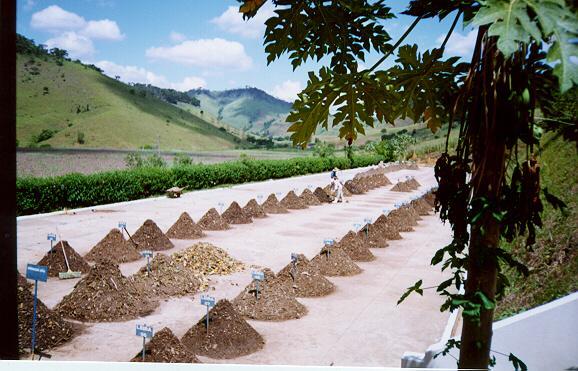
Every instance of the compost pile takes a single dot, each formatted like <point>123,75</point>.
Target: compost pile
<point>327,189</point>
<point>206,259</point>
<point>421,206</point>
<point>430,198</point>
<point>272,205</point>
<point>291,201</point>
<point>309,198</point>
<point>185,228</point>
<point>105,295</point>
<point>150,237</point>
<point>372,237</point>
<point>414,184</point>
<point>168,278</point>
<point>355,247</point>
<point>336,263</point>
<point>212,221</point>
<point>229,335</point>
<point>400,219</point>
<point>22,281</point>
<point>165,347</point>
<point>413,214</point>
<point>276,301</point>
<point>382,180</point>
<point>56,263</point>
<point>354,187</point>
<point>114,247</point>
<point>254,210</point>
<point>387,228</point>
<point>321,195</point>
<point>235,215</point>
<point>401,187</point>
<point>306,280</point>
<point>51,329</point>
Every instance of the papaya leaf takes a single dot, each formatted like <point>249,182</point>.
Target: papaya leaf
<point>415,288</point>
<point>517,363</point>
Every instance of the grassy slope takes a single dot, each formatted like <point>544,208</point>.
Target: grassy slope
<point>116,119</point>
<point>554,261</point>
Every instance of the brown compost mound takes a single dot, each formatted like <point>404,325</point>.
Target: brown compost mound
<point>235,215</point>
<point>169,278</point>
<point>309,198</point>
<point>401,187</point>
<point>291,201</point>
<point>401,219</point>
<point>420,206</point>
<point>22,281</point>
<point>150,237</point>
<point>185,228</point>
<point>306,281</point>
<point>355,247</point>
<point>212,221</point>
<point>275,302</point>
<point>430,198</point>
<point>387,228</point>
<point>229,335</point>
<point>114,247</point>
<point>254,210</point>
<point>51,328</point>
<point>382,180</point>
<point>412,213</point>
<point>207,259</point>
<point>272,205</point>
<point>105,295</point>
<point>372,237</point>
<point>321,195</point>
<point>413,183</point>
<point>327,189</point>
<point>165,347</point>
<point>56,263</point>
<point>334,263</point>
<point>354,187</point>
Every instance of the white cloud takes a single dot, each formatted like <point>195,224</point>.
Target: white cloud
<point>177,37</point>
<point>206,53</point>
<point>78,46</point>
<point>103,29</point>
<point>232,21</point>
<point>54,18</point>
<point>143,76</point>
<point>287,90</point>
<point>460,45</point>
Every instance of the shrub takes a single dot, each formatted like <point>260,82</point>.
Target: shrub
<point>80,137</point>
<point>323,150</point>
<point>44,135</point>
<point>182,159</point>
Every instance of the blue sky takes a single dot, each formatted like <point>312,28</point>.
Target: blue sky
<point>184,44</point>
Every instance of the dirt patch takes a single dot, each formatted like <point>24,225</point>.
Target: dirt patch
<point>54,260</point>
<point>372,237</point>
<point>229,335</point>
<point>51,329</point>
<point>387,228</point>
<point>150,237</point>
<point>355,247</point>
<point>276,301</point>
<point>235,215</point>
<point>401,187</point>
<point>291,201</point>
<point>306,280</point>
<point>169,278</point>
<point>105,295</point>
<point>334,263</point>
<point>206,259</point>
<point>254,210</point>
<point>185,228</point>
<point>113,247</point>
<point>401,219</point>
<point>165,347</point>
<point>322,196</point>
<point>212,221</point>
<point>309,198</point>
<point>272,205</point>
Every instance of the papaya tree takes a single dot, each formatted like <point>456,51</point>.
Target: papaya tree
<point>489,185</point>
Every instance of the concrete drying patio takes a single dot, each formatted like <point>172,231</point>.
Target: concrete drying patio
<point>358,325</point>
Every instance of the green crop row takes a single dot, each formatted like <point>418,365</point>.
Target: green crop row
<point>41,195</point>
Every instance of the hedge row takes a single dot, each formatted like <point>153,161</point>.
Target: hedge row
<point>41,195</point>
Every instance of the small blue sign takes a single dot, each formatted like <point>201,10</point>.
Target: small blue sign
<point>146,254</point>
<point>310,186</point>
<point>367,220</point>
<point>37,272</point>
<point>328,242</point>
<point>51,237</point>
<point>259,276</point>
<point>357,226</point>
<point>122,225</point>
<point>293,257</point>
<point>207,300</point>
<point>259,197</point>
<point>144,331</point>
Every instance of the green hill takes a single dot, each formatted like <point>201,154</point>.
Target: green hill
<point>61,103</point>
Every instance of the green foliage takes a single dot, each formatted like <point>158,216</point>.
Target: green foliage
<point>135,160</point>
<point>41,195</point>
<point>323,149</point>
<point>395,148</point>
<point>44,135</point>
<point>80,137</point>
<point>182,159</point>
